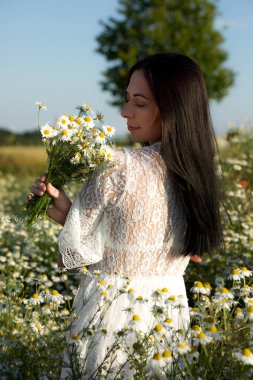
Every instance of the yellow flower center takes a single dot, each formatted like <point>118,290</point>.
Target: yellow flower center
<point>224,290</point>
<point>38,326</point>
<point>244,268</point>
<point>88,107</point>
<point>35,296</point>
<point>182,345</point>
<point>139,298</point>
<point>198,284</point>
<point>102,135</point>
<point>55,292</point>
<point>167,354</point>
<point>79,120</point>
<point>110,286</point>
<point>109,129</point>
<point>238,310</point>
<point>213,329</point>
<point>64,132</point>
<point>104,294</point>
<point>157,356</point>
<point>131,290</point>
<point>46,132</point>
<point>207,285</point>
<point>247,352</point>
<point>63,121</point>
<point>235,271</point>
<point>168,320</point>
<point>87,119</point>
<point>196,328</point>
<point>201,335</point>
<point>72,118</point>
<point>250,309</point>
<point>136,317</point>
<point>101,282</point>
<point>74,337</point>
<point>172,298</point>
<point>164,290</point>
<point>158,328</point>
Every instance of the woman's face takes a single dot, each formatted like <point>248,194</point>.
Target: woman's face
<point>141,111</point>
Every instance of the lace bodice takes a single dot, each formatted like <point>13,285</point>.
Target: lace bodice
<point>127,219</point>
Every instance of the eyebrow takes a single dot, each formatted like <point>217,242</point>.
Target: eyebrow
<point>141,95</point>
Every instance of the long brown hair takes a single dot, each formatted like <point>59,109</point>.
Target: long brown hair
<point>188,144</point>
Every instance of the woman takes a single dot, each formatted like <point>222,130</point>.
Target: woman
<point>147,215</point>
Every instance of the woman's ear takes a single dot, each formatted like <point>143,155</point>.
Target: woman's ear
<point>196,258</point>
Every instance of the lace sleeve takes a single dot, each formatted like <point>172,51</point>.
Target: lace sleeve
<point>81,241</point>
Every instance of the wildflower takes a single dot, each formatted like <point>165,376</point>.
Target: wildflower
<point>56,298</point>
<point>88,122</point>
<point>235,275</point>
<point>157,363</point>
<point>65,134</point>
<point>182,348</point>
<point>63,121</point>
<point>100,137</point>
<point>248,301</point>
<point>207,287</point>
<point>198,288</point>
<point>46,310</point>
<point>245,272</point>
<point>135,319</point>
<point>140,299</point>
<point>196,329</point>
<point>246,357</point>
<point>36,299</point>
<point>47,131</point>
<point>41,105</point>
<point>167,323</point>
<point>99,116</point>
<point>239,313</point>
<point>108,130</point>
<point>250,312</point>
<point>245,290</point>
<point>202,338</point>
<point>46,294</point>
<point>171,300</point>
<point>224,293</point>
<point>194,311</point>
<point>37,327</point>
<point>213,333</point>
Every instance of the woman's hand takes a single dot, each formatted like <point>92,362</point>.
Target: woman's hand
<point>61,203</point>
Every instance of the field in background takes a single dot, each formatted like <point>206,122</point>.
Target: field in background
<point>23,160</point>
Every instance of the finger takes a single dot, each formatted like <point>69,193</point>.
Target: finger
<point>52,191</point>
<point>43,177</point>
<point>36,191</point>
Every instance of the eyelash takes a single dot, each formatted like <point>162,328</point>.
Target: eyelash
<point>137,105</point>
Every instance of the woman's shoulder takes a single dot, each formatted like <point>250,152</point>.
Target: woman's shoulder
<point>124,155</point>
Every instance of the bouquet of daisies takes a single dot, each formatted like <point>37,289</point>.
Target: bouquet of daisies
<point>76,146</point>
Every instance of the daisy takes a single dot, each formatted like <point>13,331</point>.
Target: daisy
<point>76,159</point>
<point>88,122</point>
<point>41,105</point>
<point>37,327</point>
<point>99,117</point>
<point>100,137</point>
<point>36,299</point>
<point>246,357</point>
<point>46,294</point>
<point>235,275</point>
<point>182,348</point>
<point>108,130</point>
<point>207,287</point>
<point>202,338</point>
<point>56,298</point>
<point>250,312</point>
<point>245,272</point>
<point>198,288</point>
<point>168,323</point>
<point>63,121</point>
<point>47,131</point>
<point>224,293</point>
<point>245,290</point>
<point>213,333</point>
<point>135,319</point>
<point>65,134</point>
<point>239,313</point>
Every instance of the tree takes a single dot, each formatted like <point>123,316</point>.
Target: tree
<point>150,26</point>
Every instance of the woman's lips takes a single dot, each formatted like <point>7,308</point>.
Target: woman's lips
<point>132,129</point>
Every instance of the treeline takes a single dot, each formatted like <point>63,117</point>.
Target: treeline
<point>8,138</point>
<point>25,138</point>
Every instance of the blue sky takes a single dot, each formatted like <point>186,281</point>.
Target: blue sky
<point>48,54</point>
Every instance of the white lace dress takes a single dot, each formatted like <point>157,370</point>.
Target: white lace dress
<point>127,220</point>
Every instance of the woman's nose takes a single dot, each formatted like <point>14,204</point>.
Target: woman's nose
<point>126,111</point>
